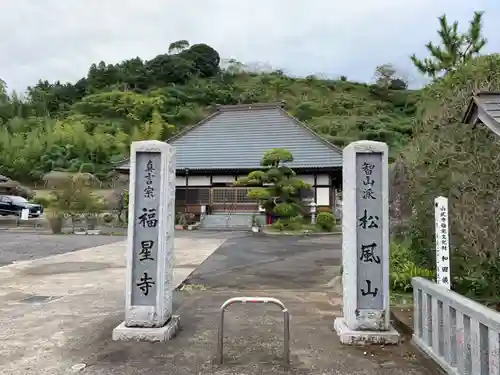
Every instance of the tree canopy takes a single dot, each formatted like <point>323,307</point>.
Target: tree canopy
<point>91,122</point>
<point>456,48</point>
<point>276,186</point>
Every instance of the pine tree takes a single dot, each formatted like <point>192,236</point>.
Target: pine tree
<point>456,48</point>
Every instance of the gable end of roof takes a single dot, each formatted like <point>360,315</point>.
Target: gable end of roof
<point>484,107</point>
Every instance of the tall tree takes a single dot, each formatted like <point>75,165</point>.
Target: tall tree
<point>3,91</point>
<point>456,47</point>
<point>387,76</point>
<point>177,47</point>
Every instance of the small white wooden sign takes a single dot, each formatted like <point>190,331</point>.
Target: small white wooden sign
<point>25,214</point>
<point>442,242</point>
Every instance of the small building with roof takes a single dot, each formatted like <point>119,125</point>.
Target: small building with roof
<point>484,108</point>
<point>230,143</point>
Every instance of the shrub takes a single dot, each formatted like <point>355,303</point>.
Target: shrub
<point>291,224</point>
<point>43,201</point>
<point>286,210</point>
<point>190,218</point>
<point>123,207</point>
<point>402,269</point>
<point>108,218</point>
<point>185,219</point>
<point>325,221</point>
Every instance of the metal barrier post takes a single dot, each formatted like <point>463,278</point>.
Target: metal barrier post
<point>243,300</point>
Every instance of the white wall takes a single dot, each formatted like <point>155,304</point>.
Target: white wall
<point>199,181</point>
<point>222,179</point>
<point>193,181</point>
<point>180,181</point>
<point>323,196</point>
<point>323,179</point>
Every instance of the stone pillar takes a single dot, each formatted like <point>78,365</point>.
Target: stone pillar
<point>150,244</point>
<point>365,246</point>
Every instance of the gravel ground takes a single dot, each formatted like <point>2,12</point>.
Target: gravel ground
<point>26,246</point>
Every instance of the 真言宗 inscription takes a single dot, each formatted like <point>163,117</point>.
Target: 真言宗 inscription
<point>146,208</point>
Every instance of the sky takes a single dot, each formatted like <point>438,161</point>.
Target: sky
<point>59,39</point>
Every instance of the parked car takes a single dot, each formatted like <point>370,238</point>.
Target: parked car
<point>13,205</point>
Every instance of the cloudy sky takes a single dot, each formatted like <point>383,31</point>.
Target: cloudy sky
<point>59,39</point>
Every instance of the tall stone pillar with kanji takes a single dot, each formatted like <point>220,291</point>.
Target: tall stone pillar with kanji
<point>365,246</point>
<point>150,245</point>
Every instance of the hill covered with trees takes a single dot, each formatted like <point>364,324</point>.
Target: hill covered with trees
<point>89,124</point>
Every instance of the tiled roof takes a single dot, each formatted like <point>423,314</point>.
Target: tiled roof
<point>484,107</point>
<point>236,137</point>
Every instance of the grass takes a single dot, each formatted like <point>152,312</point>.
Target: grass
<point>401,299</point>
<point>192,287</point>
<point>305,229</point>
<point>103,193</point>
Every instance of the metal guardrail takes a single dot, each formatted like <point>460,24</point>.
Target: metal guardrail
<point>244,300</point>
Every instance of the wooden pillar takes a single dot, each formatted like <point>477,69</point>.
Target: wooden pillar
<point>186,195</point>
<point>315,187</point>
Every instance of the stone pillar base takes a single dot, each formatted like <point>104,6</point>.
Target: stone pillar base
<point>350,337</point>
<point>162,334</point>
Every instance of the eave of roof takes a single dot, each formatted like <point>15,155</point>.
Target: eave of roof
<point>476,113</point>
<point>233,171</point>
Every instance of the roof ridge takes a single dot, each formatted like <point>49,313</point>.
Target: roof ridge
<point>485,92</point>
<point>246,107</point>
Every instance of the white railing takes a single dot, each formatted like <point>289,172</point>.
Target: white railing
<point>458,333</point>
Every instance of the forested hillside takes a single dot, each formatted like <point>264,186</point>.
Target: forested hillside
<point>89,124</point>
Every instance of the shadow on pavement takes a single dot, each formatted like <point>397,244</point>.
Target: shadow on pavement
<point>271,262</point>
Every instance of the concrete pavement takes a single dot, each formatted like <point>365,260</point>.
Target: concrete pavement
<point>24,245</point>
<point>51,307</point>
<point>84,301</point>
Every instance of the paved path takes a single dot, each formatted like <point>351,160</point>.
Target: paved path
<point>86,289</point>
<point>25,245</point>
<point>88,286</point>
<point>272,262</point>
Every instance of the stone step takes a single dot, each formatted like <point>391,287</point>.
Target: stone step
<point>236,221</point>
<point>226,229</point>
